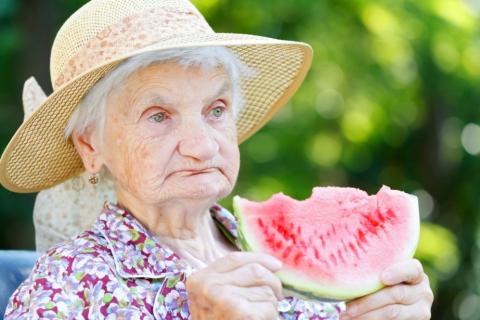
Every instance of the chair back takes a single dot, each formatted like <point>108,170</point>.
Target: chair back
<point>15,266</point>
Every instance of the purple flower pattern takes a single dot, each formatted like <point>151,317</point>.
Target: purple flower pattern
<point>118,270</point>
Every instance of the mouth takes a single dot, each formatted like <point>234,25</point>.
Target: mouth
<point>194,172</point>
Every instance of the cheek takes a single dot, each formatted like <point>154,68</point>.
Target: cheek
<point>233,157</point>
<point>148,159</point>
<point>230,151</point>
<point>135,161</point>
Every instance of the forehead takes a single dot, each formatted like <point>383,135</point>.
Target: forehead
<point>170,83</point>
<point>172,75</point>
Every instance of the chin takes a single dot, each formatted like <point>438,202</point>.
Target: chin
<point>206,187</point>
<point>213,191</point>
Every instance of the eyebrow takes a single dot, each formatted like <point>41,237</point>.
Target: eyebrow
<point>224,88</point>
<point>158,100</point>
<point>162,101</point>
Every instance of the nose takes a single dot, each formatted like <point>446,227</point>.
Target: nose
<point>197,143</point>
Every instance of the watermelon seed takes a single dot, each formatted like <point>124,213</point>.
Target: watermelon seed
<point>294,239</point>
<point>380,216</point>
<point>279,244</point>
<point>325,263</point>
<point>352,247</point>
<point>323,241</point>
<point>340,255</point>
<point>302,244</point>
<point>391,214</point>
<point>344,247</point>
<point>333,259</point>
<point>368,225</point>
<point>361,236</point>
<point>297,258</point>
<point>260,223</point>
<point>271,241</point>
<point>287,251</point>
<point>372,221</point>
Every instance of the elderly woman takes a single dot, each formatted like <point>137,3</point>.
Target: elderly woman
<point>148,95</point>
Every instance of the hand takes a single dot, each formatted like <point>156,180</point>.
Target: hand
<point>407,295</point>
<point>240,285</point>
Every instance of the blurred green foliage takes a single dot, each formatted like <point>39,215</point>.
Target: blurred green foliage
<point>392,98</point>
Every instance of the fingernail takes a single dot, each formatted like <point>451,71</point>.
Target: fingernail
<point>278,262</point>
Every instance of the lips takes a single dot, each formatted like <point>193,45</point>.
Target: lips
<point>193,172</point>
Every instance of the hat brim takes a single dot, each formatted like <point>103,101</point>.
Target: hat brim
<point>39,157</point>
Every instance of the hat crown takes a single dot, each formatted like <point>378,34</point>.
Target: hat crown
<point>76,44</point>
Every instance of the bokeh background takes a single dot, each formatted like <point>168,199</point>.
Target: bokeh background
<point>393,97</point>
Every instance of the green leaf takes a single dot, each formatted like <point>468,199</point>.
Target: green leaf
<point>172,282</point>
<point>150,243</point>
<point>107,298</point>
<point>79,276</point>
<point>134,234</point>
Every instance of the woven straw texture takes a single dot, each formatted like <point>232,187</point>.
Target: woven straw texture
<point>96,17</point>
<point>38,156</point>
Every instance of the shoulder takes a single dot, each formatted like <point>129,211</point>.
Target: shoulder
<point>80,254</point>
<point>63,278</point>
<point>90,243</point>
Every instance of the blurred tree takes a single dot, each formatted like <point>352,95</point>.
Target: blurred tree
<point>391,99</point>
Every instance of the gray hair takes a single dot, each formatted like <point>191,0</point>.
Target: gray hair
<point>91,109</point>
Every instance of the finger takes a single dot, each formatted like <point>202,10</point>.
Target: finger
<point>239,307</point>
<point>408,271</point>
<point>267,311</point>
<point>257,310</point>
<point>417,311</point>
<point>400,294</point>
<point>238,259</point>
<point>252,275</point>
<point>257,294</point>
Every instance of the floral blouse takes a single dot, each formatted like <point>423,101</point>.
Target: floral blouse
<point>118,270</point>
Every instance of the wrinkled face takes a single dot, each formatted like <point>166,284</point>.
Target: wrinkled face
<point>170,135</point>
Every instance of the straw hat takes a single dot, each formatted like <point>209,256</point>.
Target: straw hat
<point>102,34</point>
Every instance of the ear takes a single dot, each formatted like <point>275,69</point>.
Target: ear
<point>89,150</point>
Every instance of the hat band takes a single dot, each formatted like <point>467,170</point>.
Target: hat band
<point>130,34</point>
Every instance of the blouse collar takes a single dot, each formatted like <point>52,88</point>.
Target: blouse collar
<point>137,253</point>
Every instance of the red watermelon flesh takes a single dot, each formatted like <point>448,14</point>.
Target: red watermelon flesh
<point>335,244</point>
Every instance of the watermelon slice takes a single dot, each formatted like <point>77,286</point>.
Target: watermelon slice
<point>335,244</point>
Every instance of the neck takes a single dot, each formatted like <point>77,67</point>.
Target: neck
<point>184,226</point>
<point>185,219</point>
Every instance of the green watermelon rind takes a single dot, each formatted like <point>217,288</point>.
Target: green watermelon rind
<point>304,287</point>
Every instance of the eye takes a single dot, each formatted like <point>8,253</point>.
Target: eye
<point>157,117</point>
<point>217,112</point>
